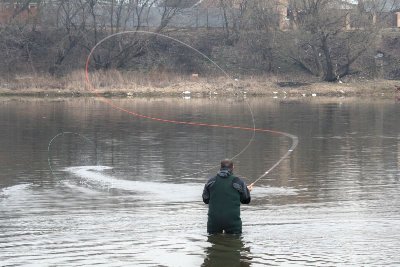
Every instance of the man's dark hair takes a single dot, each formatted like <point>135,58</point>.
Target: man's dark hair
<point>227,164</point>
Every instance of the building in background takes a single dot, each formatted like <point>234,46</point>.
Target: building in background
<point>209,13</point>
<point>19,11</point>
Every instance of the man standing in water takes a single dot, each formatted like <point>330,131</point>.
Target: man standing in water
<point>223,193</point>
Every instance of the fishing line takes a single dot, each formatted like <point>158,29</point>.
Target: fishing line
<point>143,116</point>
<point>110,103</point>
<point>54,138</point>
<point>238,154</point>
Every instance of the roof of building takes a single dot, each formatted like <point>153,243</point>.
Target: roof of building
<point>380,5</point>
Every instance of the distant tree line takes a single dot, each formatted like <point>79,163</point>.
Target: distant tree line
<point>329,39</point>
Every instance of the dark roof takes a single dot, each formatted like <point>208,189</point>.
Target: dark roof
<point>179,3</point>
<point>382,5</point>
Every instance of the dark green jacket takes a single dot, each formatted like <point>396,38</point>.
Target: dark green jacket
<point>224,193</point>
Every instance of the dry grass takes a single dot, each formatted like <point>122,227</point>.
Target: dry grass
<point>165,83</point>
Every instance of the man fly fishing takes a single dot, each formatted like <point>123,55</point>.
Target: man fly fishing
<point>224,193</point>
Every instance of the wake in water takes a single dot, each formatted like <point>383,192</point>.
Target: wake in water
<point>188,192</point>
<point>15,190</point>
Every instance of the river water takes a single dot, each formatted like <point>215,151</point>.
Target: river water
<point>126,191</point>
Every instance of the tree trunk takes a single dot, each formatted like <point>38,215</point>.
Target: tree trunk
<point>329,73</point>
<point>317,62</point>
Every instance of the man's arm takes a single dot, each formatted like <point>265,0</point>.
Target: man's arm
<point>245,197</point>
<point>206,190</point>
<point>244,191</point>
<point>206,194</point>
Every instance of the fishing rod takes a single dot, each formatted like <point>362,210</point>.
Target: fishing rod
<point>139,115</point>
<point>295,142</point>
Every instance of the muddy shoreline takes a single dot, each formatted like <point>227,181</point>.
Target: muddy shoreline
<point>200,87</point>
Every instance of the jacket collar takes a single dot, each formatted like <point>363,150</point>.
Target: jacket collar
<point>224,173</point>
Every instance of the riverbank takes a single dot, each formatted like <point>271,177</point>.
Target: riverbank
<point>115,84</point>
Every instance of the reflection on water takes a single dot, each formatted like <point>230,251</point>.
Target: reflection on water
<point>132,194</point>
<point>226,250</point>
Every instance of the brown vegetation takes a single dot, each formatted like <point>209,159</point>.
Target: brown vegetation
<point>127,84</point>
<point>290,42</point>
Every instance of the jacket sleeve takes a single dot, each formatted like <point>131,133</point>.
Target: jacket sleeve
<point>206,194</point>
<point>206,190</point>
<point>245,197</point>
<point>241,186</point>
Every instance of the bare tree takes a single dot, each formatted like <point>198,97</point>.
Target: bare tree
<point>71,22</point>
<point>233,13</point>
<point>121,50</point>
<point>331,35</point>
<point>83,23</point>
<point>17,36</point>
<point>259,29</point>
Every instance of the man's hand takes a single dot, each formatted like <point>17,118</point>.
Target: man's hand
<point>250,187</point>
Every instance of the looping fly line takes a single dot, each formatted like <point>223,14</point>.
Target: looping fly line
<point>163,120</point>
<point>54,138</point>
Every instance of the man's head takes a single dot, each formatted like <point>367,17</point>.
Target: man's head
<point>227,164</point>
